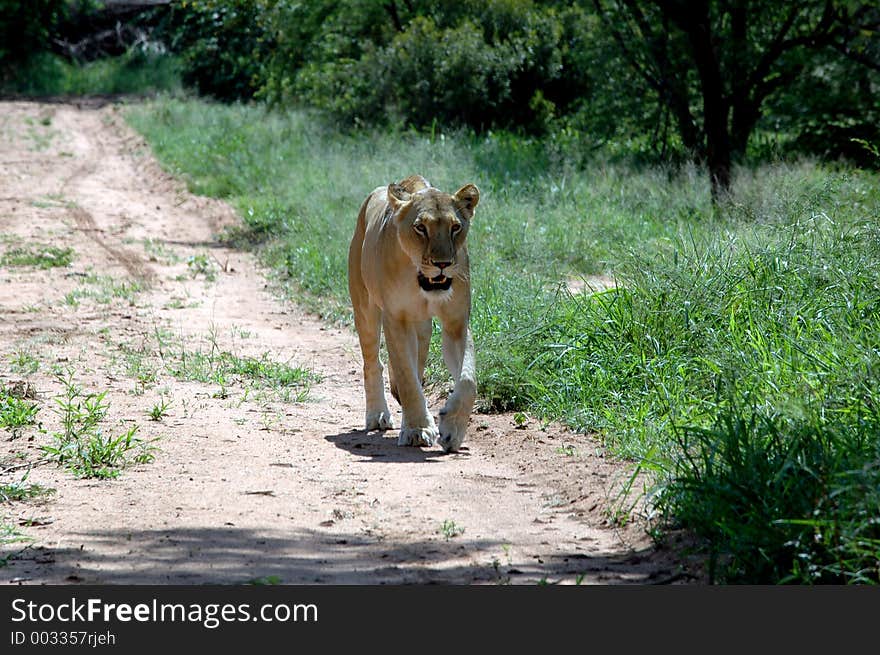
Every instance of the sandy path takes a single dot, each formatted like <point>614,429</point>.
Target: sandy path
<point>247,484</point>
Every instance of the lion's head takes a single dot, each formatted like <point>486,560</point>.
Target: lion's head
<point>432,227</point>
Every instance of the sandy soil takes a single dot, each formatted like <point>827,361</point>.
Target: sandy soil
<point>248,484</point>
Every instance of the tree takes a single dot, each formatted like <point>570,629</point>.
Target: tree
<point>726,57</point>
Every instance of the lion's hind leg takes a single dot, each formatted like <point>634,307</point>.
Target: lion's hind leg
<point>368,322</point>
<point>424,331</point>
<point>418,427</point>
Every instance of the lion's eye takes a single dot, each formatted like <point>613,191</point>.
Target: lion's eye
<point>456,227</point>
<point>421,229</point>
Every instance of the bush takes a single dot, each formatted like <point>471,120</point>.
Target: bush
<point>222,45</point>
<point>26,29</point>
<point>83,47</point>
<point>465,63</point>
<point>830,112</point>
<point>133,72</point>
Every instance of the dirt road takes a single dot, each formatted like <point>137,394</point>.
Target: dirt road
<point>249,481</point>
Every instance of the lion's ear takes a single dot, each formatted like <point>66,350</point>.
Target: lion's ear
<point>467,198</point>
<point>397,195</point>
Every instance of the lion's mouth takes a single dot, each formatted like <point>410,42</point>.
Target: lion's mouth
<point>439,283</point>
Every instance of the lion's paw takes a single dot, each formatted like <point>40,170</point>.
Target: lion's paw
<point>417,436</point>
<point>453,427</point>
<point>380,420</point>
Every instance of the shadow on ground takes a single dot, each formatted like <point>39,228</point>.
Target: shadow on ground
<point>382,446</point>
<point>232,555</point>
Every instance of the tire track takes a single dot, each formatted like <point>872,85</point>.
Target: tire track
<point>93,155</point>
<point>133,264</point>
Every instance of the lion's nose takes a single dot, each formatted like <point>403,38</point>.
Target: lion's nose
<point>440,265</point>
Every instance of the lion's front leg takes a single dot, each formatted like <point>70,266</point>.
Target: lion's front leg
<point>458,353</point>
<point>418,427</point>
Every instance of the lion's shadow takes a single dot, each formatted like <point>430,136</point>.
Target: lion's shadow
<point>380,446</point>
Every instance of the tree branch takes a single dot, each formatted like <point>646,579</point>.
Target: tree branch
<point>653,81</point>
<point>774,51</point>
<point>857,57</point>
<point>639,16</point>
<point>819,35</point>
<point>391,8</point>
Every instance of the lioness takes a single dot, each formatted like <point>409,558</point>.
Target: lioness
<point>408,262</point>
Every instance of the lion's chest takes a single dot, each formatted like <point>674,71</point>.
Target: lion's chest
<point>418,305</point>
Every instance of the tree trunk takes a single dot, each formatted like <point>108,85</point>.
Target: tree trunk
<point>715,106</point>
<point>677,100</point>
<point>745,117</point>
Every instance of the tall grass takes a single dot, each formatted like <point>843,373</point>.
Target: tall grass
<point>745,368</point>
<point>737,358</point>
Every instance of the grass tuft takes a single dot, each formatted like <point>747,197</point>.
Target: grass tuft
<point>82,447</point>
<point>16,412</point>
<point>22,490</point>
<point>43,257</point>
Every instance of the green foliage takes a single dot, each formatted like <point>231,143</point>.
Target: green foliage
<point>413,63</point>
<point>224,368</point>
<point>157,412</point>
<point>22,490</point>
<point>39,257</point>
<point>36,59</point>
<point>24,363</point>
<point>26,29</point>
<point>722,70</point>
<point>16,412</point>
<point>222,44</point>
<point>203,265</point>
<point>82,447</point>
<point>9,534</point>
<point>781,498</point>
<point>831,111</point>
<point>610,75</point>
<point>742,365</point>
<point>479,66</point>
<point>449,529</point>
<point>103,289</point>
<point>136,71</point>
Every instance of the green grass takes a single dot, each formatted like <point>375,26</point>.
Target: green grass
<point>743,369</point>
<point>737,360</point>
<point>449,529</point>
<point>103,289</point>
<point>203,265</point>
<point>134,72</point>
<point>223,368</point>
<point>37,256</point>
<point>16,413</point>
<point>24,363</point>
<point>159,410</point>
<point>22,490</point>
<point>82,445</point>
<point>9,534</point>
<point>207,362</point>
